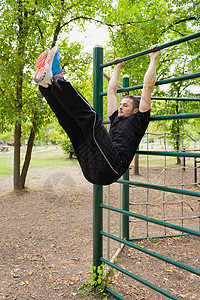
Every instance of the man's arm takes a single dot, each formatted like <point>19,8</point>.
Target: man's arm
<point>149,82</point>
<point>112,89</point>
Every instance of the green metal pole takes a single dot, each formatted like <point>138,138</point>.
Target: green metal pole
<point>154,254</point>
<point>152,220</point>
<point>160,188</point>
<point>168,153</point>
<point>125,191</point>
<point>174,117</point>
<point>163,46</point>
<point>97,190</point>
<point>195,171</point>
<point>160,82</point>
<point>140,279</point>
<point>174,98</point>
<point>97,79</point>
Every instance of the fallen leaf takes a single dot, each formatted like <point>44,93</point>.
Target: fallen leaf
<point>30,273</point>
<point>184,295</point>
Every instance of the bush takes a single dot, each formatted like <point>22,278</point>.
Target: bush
<point>68,148</point>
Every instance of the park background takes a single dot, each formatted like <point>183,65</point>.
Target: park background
<point>35,262</point>
<point>29,27</point>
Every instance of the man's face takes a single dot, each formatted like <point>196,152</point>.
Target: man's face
<point>126,108</point>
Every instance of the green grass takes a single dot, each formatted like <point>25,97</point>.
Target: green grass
<point>48,158</point>
<point>6,166</point>
<point>39,162</point>
<point>159,162</point>
<point>54,158</point>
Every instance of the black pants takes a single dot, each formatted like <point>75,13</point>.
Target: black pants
<point>95,151</point>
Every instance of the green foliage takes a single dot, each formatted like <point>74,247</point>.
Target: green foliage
<point>67,147</point>
<point>143,23</point>
<point>27,28</point>
<point>98,284</point>
<point>154,241</point>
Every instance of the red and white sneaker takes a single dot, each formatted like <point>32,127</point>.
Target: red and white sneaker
<point>40,65</point>
<point>45,73</point>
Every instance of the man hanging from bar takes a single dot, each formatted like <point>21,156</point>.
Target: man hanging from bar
<point>103,156</point>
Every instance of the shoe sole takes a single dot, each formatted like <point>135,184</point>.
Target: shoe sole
<point>45,73</point>
<point>40,64</point>
<point>41,59</point>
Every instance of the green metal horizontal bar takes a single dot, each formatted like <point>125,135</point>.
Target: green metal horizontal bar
<point>147,283</point>
<point>106,122</point>
<point>173,98</point>
<point>160,188</point>
<point>114,294</point>
<point>180,78</point>
<point>160,82</point>
<point>175,117</point>
<point>151,220</point>
<point>152,253</point>
<point>163,46</point>
<point>168,153</point>
<point>158,237</point>
<point>169,117</point>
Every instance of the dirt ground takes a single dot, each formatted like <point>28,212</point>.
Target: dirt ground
<point>46,240</point>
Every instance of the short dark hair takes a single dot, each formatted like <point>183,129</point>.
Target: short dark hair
<point>135,100</point>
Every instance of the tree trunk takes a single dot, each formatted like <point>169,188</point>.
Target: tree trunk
<point>136,164</point>
<point>27,158</point>
<point>17,135</point>
<point>17,139</point>
<point>22,36</point>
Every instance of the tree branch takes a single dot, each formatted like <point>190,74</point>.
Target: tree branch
<point>183,20</point>
<point>180,21</point>
<point>101,22</point>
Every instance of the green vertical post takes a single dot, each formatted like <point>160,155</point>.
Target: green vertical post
<point>195,171</point>
<point>97,190</point>
<point>125,191</point>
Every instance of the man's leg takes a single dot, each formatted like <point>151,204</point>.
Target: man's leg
<point>70,126</point>
<point>99,159</point>
<point>95,151</point>
<point>72,101</point>
<point>97,155</point>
